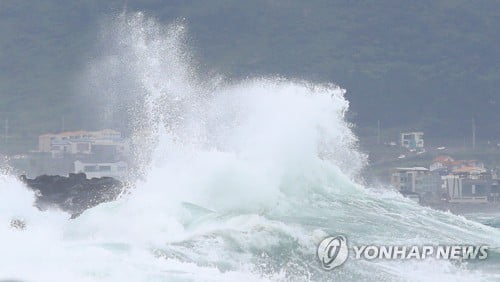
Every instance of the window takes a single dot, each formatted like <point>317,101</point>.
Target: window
<point>90,168</point>
<point>104,168</point>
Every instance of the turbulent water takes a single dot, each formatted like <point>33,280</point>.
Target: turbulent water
<point>238,181</point>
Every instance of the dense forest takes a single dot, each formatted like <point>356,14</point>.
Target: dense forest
<point>431,65</point>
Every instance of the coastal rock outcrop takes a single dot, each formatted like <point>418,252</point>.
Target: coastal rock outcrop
<point>75,193</point>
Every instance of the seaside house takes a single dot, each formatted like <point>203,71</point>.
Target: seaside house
<point>405,178</point>
<point>412,140</point>
<point>467,190</point>
<point>100,169</point>
<point>58,152</point>
<point>418,181</point>
<point>448,164</point>
<point>470,184</point>
<point>82,142</point>
<point>441,162</point>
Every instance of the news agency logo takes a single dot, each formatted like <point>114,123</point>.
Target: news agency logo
<point>333,251</point>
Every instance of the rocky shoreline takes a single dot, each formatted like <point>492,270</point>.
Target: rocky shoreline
<point>74,193</point>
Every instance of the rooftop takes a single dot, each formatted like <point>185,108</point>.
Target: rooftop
<point>469,169</point>
<point>417,168</point>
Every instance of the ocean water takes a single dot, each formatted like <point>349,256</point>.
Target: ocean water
<point>490,219</point>
<point>237,181</point>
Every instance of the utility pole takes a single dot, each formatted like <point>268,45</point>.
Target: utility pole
<point>6,131</point>
<point>63,124</point>
<point>473,134</point>
<point>378,132</point>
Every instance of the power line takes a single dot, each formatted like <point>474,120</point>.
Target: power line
<point>378,132</point>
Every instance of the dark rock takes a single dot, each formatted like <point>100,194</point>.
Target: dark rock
<point>74,193</point>
<point>18,224</point>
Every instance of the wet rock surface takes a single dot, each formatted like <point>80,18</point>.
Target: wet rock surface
<point>75,193</point>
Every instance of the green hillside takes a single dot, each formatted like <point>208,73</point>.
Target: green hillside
<point>429,65</point>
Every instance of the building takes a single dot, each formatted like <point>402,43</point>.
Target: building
<point>412,140</point>
<point>448,181</point>
<point>58,153</point>
<point>405,178</point>
<point>449,165</point>
<point>495,191</point>
<point>93,169</point>
<point>418,181</point>
<point>471,172</point>
<point>466,190</point>
<point>61,146</point>
<point>465,185</point>
<point>429,187</point>
<point>470,184</point>
<point>83,142</point>
<point>441,162</point>
<point>45,141</point>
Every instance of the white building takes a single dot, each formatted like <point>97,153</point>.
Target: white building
<point>412,140</point>
<point>116,170</point>
<point>83,142</point>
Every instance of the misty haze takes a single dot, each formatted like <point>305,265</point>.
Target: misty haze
<point>269,140</point>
